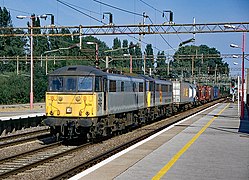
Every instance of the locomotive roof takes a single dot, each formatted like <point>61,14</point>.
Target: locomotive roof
<point>146,77</point>
<point>81,70</point>
<point>78,70</point>
<point>156,80</point>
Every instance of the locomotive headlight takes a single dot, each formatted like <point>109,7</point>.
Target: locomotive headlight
<point>69,110</point>
<point>77,98</point>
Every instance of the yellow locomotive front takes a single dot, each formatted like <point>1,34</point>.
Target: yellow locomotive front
<point>66,101</point>
<point>73,101</point>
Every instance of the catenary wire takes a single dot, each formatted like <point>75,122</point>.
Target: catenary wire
<point>71,6</point>
<point>162,36</point>
<point>160,12</point>
<point>66,4</point>
<point>124,10</point>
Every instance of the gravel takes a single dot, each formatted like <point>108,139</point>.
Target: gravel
<point>25,130</point>
<point>51,169</point>
<point>20,148</point>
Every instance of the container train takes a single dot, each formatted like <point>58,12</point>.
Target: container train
<point>86,102</point>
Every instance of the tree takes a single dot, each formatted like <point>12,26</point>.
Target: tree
<point>125,45</point>
<point>148,50</point>
<point>138,51</point>
<point>118,53</point>
<point>149,56</point>
<point>9,46</point>
<point>131,50</point>
<point>161,64</point>
<point>40,44</point>
<point>206,61</point>
<point>14,89</point>
<point>116,45</point>
<point>5,18</point>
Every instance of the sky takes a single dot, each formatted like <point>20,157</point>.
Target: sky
<point>204,11</point>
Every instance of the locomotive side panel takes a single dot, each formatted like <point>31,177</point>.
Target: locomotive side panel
<point>150,93</point>
<point>125,94</point>
<point>124,102</point>
<point>163,93</point>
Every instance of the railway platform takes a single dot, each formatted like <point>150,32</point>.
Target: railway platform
<point>212,144</point>
<point>11,112</point>
<point>16,117</point>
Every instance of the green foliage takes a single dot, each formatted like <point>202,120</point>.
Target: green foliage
<point>149,50</point>
<point>40,83</point>
<point>14,89</point>
<point>125,45</point>
<point>161,64</point>
<point>9,46</point>
<point>5,18</point>
<point>149,56</point>
<point>206,61</point>
<point>138,51</point>
<point>131,50</point>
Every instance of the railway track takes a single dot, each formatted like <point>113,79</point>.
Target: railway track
<point>28,160</point>
<point>23,137</point>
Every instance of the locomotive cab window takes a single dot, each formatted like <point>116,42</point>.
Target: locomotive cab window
<point>112,87</point>
<point>151,86</point>
<point>122,86</point>
<point>70,83</point>
<point>85,83</point>
<point>98,84</point>
<point>167,89</point>
<point>170,88</point>
<point>157,87</point>
<point>105,85</point>
<point>164,88</point>
<point>56,83</point>
<point>141,87</point>
<point>134,87</point>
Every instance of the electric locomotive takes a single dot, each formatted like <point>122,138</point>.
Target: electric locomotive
<point>86,102</point>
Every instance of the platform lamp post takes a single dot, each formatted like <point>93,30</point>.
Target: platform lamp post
<point>238,84</point>
<point>130,56</point>
<point>96,52</point>
<point>32,18</point>
<point>243,65</point>
<point>186,42</point>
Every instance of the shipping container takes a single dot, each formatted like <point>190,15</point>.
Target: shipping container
<point>216,92</point>
<point>183,92</point>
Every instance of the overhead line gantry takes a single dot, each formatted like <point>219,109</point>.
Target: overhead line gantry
<point>132,29</point>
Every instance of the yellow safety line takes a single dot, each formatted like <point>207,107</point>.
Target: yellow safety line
<point>165,169</point>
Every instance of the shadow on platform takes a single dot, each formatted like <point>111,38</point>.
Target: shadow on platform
<point>244,123</point>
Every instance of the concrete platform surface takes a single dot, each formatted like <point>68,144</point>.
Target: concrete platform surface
<point>20,111</point>
<point>208,145</point>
